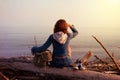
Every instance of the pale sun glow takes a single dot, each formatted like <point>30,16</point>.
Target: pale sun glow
<point>113,2</point>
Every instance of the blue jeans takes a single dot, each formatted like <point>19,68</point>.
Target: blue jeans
<point>65,62</point>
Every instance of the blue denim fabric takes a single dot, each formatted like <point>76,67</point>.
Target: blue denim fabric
<point>61,62</point>
<point>34,50</point>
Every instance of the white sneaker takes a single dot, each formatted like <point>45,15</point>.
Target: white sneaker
<point>76,68</point>
<point>81,67</point>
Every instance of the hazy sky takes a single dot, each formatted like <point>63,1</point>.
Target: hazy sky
<point>89,16</point>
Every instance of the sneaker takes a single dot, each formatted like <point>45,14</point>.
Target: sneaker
<point>81,67</point>
<point>76,68</point>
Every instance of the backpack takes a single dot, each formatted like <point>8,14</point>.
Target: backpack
<point>42,59</point>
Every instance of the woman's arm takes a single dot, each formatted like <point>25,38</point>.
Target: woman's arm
<point>75,32</point>
<point>43,47</point>
<point>46,44</point>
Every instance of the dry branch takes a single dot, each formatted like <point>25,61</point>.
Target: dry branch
<point>107,53</point>
<point>3,77</point>
<point>100,59</point>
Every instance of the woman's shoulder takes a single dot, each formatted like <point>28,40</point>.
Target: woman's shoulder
<point>51,36</point>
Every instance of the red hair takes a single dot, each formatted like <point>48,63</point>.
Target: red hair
<point>61,25</point>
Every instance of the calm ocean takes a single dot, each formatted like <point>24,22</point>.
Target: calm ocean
<point>19,44</point>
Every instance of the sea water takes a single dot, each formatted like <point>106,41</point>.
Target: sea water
<point>19,44</point>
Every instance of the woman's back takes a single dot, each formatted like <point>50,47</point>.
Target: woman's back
<point>60,40</point>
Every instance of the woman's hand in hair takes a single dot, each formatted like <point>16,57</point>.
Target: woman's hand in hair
<point>69,25</point>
